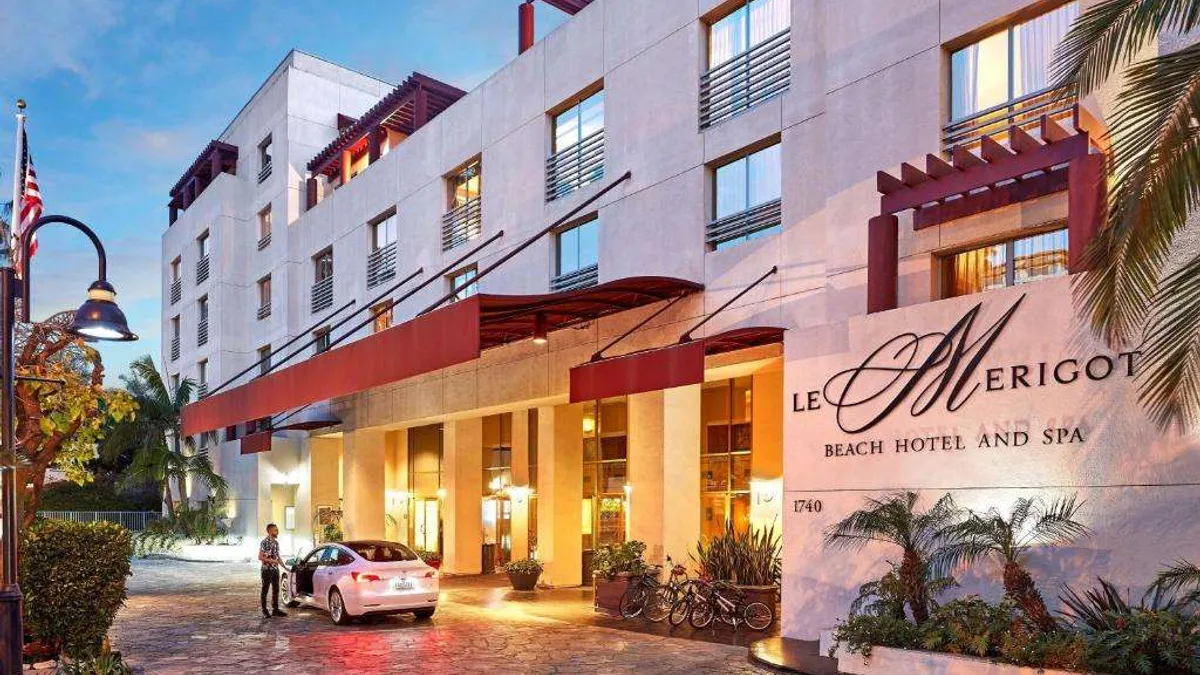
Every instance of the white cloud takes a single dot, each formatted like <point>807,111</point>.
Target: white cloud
<point>42,37</point>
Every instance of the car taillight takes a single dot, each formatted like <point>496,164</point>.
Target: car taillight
<point>431,574</point>
<point>363,577</point>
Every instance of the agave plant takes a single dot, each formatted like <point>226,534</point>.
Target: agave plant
<point>1030,522</point>
<point>748,557</point>
<point>920,535</point>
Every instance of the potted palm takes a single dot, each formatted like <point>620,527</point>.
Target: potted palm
<point>614,568</point>
<point>523,574</point>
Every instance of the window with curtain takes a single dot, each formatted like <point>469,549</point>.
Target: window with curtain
<point>1008,263</point>
<point>466,185</point>
<point>1007,65</point>
<point>746,27</point>
<point>744,184</point>
<point>323,265</point>
<point>264,292</point>
<point>383,231</point>
<point>383,313</point>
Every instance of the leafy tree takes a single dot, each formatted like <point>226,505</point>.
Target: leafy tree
<point>919,535</point>
<point>162,456</point>
<point>1139,287</point>
<point>1030,522</point>
<point>60,418</point>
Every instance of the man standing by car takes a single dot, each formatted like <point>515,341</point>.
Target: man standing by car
<point>268,555</point>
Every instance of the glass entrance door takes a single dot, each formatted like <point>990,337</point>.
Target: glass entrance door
<point>425,487</point>
<point>497,531</point>
<point>427,525</point>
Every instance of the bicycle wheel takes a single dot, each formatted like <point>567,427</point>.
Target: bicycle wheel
<point>702,613</point>
<point>758,616</point>
<point>680,610</point>
<point>658,606</point>
<point>633,600</point>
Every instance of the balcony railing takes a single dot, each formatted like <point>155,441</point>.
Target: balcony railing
<point>175,348</point>
<point>1025,112</point>
<point>462,224</point>
<point>322,294</point>
<point>755,219</point>
<point>176,290</point>
<point>202,270</point>
<point>746,80</point>
<point>202,333</point>
<point>381,265</point>
<point>572,168</point>
<point>580,278</point>
<point>265,241</point>
<point>265,172</point>
<point>264,311</point>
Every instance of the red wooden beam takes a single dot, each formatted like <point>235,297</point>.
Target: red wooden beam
<point>987,200</point>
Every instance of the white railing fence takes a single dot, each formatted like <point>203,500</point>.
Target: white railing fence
<point>132,520</point>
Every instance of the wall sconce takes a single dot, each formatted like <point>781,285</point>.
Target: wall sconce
<point>589,424</point>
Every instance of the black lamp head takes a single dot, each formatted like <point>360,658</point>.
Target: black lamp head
<point>99,318</point>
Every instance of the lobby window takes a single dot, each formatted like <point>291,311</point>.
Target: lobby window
<point>1007,263</point>
<point>577,256</point>
<point>322,340</point>
<point>1004,78</point>
<point>264,159</point>
<point>264,297</point>
<point>264,227</point>
<point>749,59</point>
<point>605,472</point>
<point>176,279</point>
<point>497,478</point>
<point>381,261</point>
<point>726,445</point>
<point>462,283</point>
<point>264,360</point>
<point>174,338</point>
<point>464,219</point>
<point>383,314</point>
<point>202,321</point>
<point>577,156</point>
<point>746,199</point>
<point>202,262</point>
<point>322,288</point>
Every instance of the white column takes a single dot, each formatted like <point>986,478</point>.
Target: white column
<point>681,470</point>
<point>646,473</point>
<point>462,514</point>
<point>363,480</point>
<point>520,480</point>
<point>560,488</point>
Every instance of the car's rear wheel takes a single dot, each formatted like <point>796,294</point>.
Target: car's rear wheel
<point>424,614</point>
<point>285,592</point>
<point>337,608</point>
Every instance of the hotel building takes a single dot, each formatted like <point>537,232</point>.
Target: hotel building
<point>681,262</point>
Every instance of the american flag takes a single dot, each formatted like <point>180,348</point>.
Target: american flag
<point>30,197</point>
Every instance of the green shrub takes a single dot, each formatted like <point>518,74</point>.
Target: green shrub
<point>107,662</point>
<point>1027,646</point>
<point>613,559</point>
<point>968,626</point>
<point>200,523</point>
<point>99,495</point>
<point>526,566</point>
<point>862,632</point>
<point>1148,642</point>
<point>73,576</point>
<point>152,541</point>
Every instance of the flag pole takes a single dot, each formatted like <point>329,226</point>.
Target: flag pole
<point>6,229</point>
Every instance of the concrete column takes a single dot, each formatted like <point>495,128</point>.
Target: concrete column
<point>462,509</point>
<point>766,463</point>
<point>646,473</point>
<point>520,479</point>
<point>396,486</point>
<point>363,479</point>
<point>560,494</point>
<point>681,470</point>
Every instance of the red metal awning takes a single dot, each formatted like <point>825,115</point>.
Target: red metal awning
<point>260,441</point>
<point>444,337</point>
<point>664,367</point>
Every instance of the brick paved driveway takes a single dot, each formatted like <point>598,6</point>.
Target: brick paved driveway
<point>203,618</point>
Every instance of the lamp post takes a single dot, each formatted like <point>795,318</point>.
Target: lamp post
<point>98,318</point>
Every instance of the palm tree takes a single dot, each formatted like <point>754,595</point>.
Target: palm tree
<point>919,535</point>
<point>1140,288</point>
<point>155,460</point>
<point>1030,522</point>
<point>1181,577</point>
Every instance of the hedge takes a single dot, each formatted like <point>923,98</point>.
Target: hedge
<point>73,579</point>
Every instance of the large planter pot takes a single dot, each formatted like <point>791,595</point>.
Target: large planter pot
<point>609,591</point>
<point>767,595</point>
<point>524,581</point>
<point>887,661</point>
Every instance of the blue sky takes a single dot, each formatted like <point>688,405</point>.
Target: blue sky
<point>124,93</point>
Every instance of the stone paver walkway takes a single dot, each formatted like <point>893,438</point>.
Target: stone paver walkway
<point>203,618</point>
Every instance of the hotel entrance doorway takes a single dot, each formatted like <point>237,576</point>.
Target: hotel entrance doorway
<point>425,486</point>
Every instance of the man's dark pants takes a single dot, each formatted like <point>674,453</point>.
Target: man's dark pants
<point>270,579</point>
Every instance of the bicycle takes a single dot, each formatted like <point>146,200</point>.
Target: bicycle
<point>659,604</point>
<point>633,600</point>
<point>691,592</point>
<point>726,603</point>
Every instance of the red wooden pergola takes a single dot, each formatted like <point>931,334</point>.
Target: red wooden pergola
<point>975,182</point>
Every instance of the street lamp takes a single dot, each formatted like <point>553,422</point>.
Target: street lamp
<point>98,318</point>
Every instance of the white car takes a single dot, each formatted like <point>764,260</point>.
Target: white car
<point>356,578</point>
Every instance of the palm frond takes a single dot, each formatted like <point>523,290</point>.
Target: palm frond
<point>1182,579</point>
<point>1169,385</point>
<point>1055,524</point>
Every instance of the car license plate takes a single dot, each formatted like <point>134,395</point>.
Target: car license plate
<point>402,584</point>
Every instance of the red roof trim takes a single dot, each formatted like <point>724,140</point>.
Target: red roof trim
<point>569,6</point>
<point>227,154</point>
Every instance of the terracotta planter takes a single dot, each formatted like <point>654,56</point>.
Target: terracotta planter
<point>609,592</point>
<point>768,595</point>
<point>524,581</point>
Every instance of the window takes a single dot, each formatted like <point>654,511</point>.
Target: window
<point>462,281</point>
<point>749,60</point>
<point>383,231</point>
<point>176,287</point>
<point>382,552</point>
<point>322,340</point>
<point>1007,263</point>
<point>175,328</point>
<point>264,360</point>
<point>202,321</point>
<point>264,297</point>
<point>202,309</point>
<point>264,227</point>
<point>464,219</point>
<point>383,313</point>
<point>176,274</point>
<point>747,27</point>
<point>578,152</point>
<point>174,383</point>
<point>264,159</point>
<point>202,374</point>
<point>323,265</point>
<point>577,256</point>
<point>322,288</point>
<point>578,122</point>
<point>202,265</point>
<point>726,445</point>
<point>1008,65</point>
<point>202,244</point>
<point>381,261</point>
<point>746,198</point>
<point>605,472</point>
<point>465,185</point>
